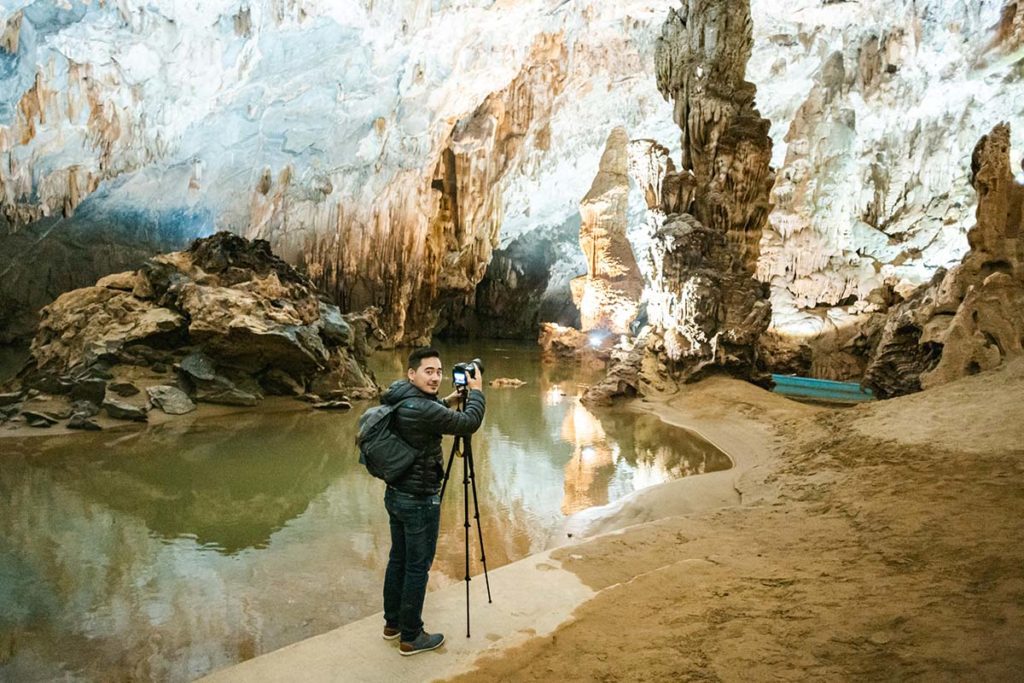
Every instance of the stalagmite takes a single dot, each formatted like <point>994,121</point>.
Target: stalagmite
<point>608,295</point>
<point>704,307</point>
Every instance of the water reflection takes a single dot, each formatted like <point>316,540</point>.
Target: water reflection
<point>166,553</point>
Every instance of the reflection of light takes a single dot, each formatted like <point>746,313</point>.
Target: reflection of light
<point>580,427</point>
<point>588,454</point>
<point>596,338</point>
<point>649,474</point>
<point>553,396</point>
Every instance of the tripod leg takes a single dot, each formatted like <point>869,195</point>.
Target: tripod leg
<point>448,467</point>
<point>465,511</point>
<point>476,515</point>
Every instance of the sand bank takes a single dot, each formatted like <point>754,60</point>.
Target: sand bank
<point>875,542</point>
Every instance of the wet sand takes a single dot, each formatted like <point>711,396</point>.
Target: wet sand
<point>876,542</point>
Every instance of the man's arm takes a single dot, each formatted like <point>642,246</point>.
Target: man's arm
<point>461,423</point>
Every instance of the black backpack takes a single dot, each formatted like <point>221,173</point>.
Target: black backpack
<point>386,455</point>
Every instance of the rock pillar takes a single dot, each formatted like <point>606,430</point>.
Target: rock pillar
<point>609,294</point>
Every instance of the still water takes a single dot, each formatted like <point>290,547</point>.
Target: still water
<point>165,553</point>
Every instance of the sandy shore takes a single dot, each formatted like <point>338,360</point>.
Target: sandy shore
<point>876,542</point>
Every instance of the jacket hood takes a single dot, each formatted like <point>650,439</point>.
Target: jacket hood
<point>402,389</point>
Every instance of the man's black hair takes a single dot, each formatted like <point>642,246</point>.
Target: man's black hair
<point>417,356</point>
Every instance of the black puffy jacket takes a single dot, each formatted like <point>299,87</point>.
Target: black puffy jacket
<point>422,419</point>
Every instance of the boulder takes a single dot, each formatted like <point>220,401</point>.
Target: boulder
<point>277,382</point>
<point>228,396</point>
<point>332,405</point>
<point>346,374</point>
<point>84,409</point>
<point>83,423</point>
<point>57,407</point>
<point>37,419</point>
<point>171,400</point>
<point>363,393</point>
<point>233,319</point>
<point>125,282</point>
<point>93,390</point>
<point>84,324</point>
<point>559,342</point>
<point>123,389</point>
<point>242,329</point>
<point>120,410</point>
<point>333,327</point>
<point>198,366</point>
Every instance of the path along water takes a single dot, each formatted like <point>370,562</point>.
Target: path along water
<point>166,552</point>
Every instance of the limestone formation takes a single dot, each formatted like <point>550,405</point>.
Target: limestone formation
<point>874,106</point>
<point>608,295</point>
<point>430,249</point>
<point>970,318</point>
<point>388,171</point>
<point>568,344</point>
<point>705,310</point>
<point>384,167</point>
<point>225,322</point>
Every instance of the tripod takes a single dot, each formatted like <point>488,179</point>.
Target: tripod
<point>468,480</point>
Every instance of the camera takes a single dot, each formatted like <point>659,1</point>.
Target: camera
<point>461,372</point>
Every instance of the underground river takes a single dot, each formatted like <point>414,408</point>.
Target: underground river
<point>167,552</point>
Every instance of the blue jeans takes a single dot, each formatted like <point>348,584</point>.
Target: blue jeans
<point>414,524</point>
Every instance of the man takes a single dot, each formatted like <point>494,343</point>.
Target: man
<point>413,502</point>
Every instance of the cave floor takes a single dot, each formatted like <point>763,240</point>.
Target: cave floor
<point>875,542</point>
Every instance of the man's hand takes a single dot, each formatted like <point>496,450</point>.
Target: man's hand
<point>452,398</point>
<point>476,382</point>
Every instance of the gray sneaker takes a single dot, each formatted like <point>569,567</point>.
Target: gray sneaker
<point>424,641</point>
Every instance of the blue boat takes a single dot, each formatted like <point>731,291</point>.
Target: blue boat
<point>821,389</point>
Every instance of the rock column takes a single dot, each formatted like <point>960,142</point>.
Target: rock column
<point>704,305</point>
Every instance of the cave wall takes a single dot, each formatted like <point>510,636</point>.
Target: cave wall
<point>390,147</point>
<point>875,109</point>
<point>385,147</point>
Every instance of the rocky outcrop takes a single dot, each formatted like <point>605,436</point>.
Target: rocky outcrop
<point>970,318</point>
<point>608,296</point>
<point>568,344</point>
<point>874,105</point>
<point>225,321</point>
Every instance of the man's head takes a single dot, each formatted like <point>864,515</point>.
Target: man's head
<point>424,370</point>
